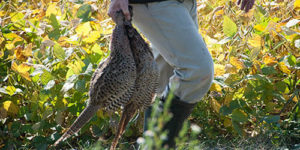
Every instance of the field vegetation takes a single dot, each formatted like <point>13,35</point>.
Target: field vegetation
<point>50,48</point>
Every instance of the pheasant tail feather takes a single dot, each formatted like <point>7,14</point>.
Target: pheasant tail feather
<point>83,118</point>
<point>128,113</point>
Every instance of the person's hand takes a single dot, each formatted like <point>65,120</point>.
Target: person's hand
<point>246,5</point>
<point>116,5</point>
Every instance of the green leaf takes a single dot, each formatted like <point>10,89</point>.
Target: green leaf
<point>292,60</point>
<point>239,116</point>
<point>96,131</point>
<point>268,70</point>
<point>84,12</point>
<point>55,34</point>
<point>232,79</point>
<point>229,27</point>
<point>59,52</point>
<point>67,86</point>
<point>80,85</point>
<point>46,77</point>
<point>49,85</point>
<point>272,119</point>
<point>44,95</point>
<point>59,118</point>
<point>69,73</point>
<point>224,110</point>
<point>54,22</point>
<point>234,104</point>
<point>36,126</point>
<point>69,83</point>
<point>237,127</point>
<point>281,86</point>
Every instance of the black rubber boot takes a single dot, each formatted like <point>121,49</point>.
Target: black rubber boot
<point>181,111</point>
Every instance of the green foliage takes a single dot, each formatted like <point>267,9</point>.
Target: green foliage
<point>229,27</point>
<point>49,50</point>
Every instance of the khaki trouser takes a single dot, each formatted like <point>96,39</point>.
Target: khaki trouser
<point>179,50</point>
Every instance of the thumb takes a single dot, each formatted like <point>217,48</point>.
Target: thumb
<point>126,11</point>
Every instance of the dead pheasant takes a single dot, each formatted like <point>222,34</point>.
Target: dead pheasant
<point>146,81</point>
<point>113,81</point>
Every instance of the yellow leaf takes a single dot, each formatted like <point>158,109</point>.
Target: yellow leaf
<point>19,52</point>
<point>227,122</point>
<point>272,27</point>
<point>270,61</point>
<point>221,57</point>
<point>106,27</point>
<point>216,87</point>
<point>256,41</point>
<point>295,99</point>
<point>297,4</point>
<point>1,53</point>
<point>12,39</point>
<point>228,99</point>
<point>237,63</point>
<point>28,50</point>
<point>14,67</point>
<point>260,27</point>
<point>22,70</point>
<point>96,26</point>
<point>220,12</point>
<point>219,70</point>
<point>83,29</point>
<point>92,37</point>
<point>2,13</point>
<point>16,16</point>
<point>215,105</point>
<point>10,107</point>
<point>10,90</point>
<point>230,69</point>
<point>254,69</point>
<point>97,49</point>
<point>53,9</point>
<point>63,41</point>
<point>87,50</point>
<point>284,68</point>
<point>10,46</point>
<point>11,36</point>
<point>65,101</point>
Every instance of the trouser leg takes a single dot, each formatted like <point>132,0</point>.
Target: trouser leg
<point>170,28</point>
<point>181,54</point>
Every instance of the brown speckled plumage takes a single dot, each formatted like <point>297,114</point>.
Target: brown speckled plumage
<point>112,82</point>
<point>146,81</point>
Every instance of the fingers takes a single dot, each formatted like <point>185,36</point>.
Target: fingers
<point>112,10</point>
<point>244,3</point>
<point>125,11</point>
<point>250,5</point>
<point>117,5</point>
